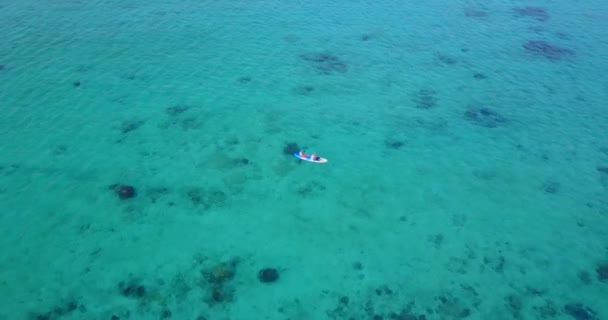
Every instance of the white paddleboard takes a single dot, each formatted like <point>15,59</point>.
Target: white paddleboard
<point>309,158</point>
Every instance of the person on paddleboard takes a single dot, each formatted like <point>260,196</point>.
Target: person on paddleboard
<point>314,156</point>
<point>303,155</point>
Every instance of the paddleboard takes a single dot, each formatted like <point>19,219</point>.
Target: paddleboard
<point>309,159</point>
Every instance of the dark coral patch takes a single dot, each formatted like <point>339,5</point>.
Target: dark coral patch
<point>232,141</point>
<point>176,110</point>
<point>124,191</point>
<point>547,310</point>
<point>219,277</point>
<point>551,186</point>
<point>447,59</point>
<point>132,289</point>
<point>66,308</point>
<point>9,169</point>
<point>59,150</point>
<point>303,90</point>
<point>497,264</point>
<point>240,162</point>
<point>436,240</point>
<point>537,13</point>
<point>425,98</point>
<point>450,307</point>
<point>365,37</point>
<point>268,275</point>
<point>602,272</point>
<point>394,144</point>
<point>222,272</point>
<point>195,195</point>
<point>131,125</point>
<point>485,117</point>
<point>326,63</point>
<point>220,294</point>
<point>76,84</point>
<point>244,80</point>
<point>290,148</point>
<point>165,314</point>
<point>2,67</point>
<point>59,311</point>
<point>479,76</point>
<point>580,312</point>
<point>514,304</point>
<point>385,290</point>
<point>602,169</point>
<point>548,50</point>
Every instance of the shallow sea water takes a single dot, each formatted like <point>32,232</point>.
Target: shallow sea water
<point>467,146</point>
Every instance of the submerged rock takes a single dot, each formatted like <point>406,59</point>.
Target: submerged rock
<point>394,144</point>
<point>124,191</point>
<point>268,275</point>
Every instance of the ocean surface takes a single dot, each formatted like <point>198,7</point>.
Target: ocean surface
<point>147,167</point>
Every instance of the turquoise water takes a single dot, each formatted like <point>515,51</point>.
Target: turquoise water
<point>467,146</point>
